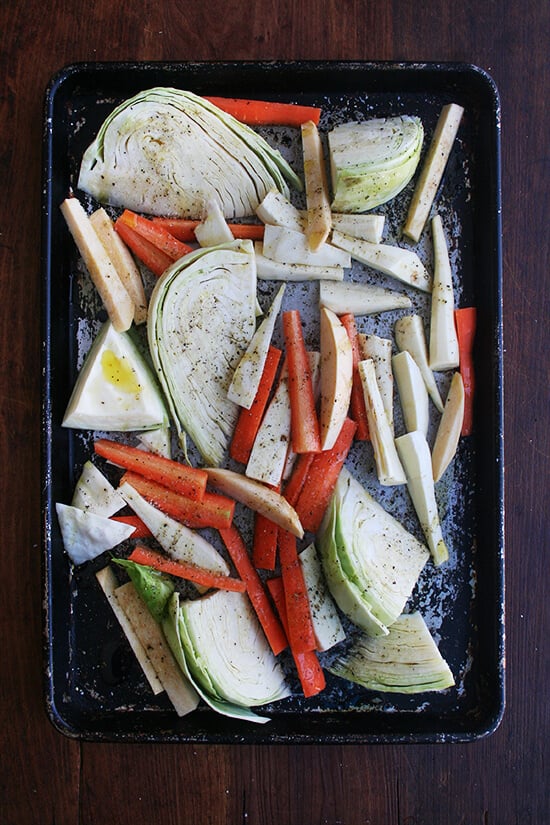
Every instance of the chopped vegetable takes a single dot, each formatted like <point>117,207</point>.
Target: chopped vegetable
<point>432,170</point>
<point>395,261</point>
<point>269,453</point>
<point>266,112</point>
<point>287,246</point>
<point>268,269</point>
<point>246,378</point>
<point>373,160</point>
<point>407,660</point>
<point>322,478</point>
<point>257,497</point>
<point>109,584</point>
<point>443,338</point>
<point>277,210</point>
<point>409,336</point>
<point>183,479</point>
<point>211,511</point>
<point>213,229</point>
<point>358,411</point>
<point>140,529</point>
<point>310,672</point>
<point>95,493</point>
<point>264,543</point>
<point>202,315</point>
<point>178,689</point>
<point>371,562</point>
<point>319,219</point>
<point>116,390</point>
<point>184,229</point>
<point>116,300</point>
<point>123,262</point>
<point>301,635</point>
<point>465,321</point>
<point>295,483</point>
<point>388,467</point>
<point>416,460</point>
<point>197,575</point>
<point>87,535</point>
<point>154,233</point>
<point>366,227</point>
<point>357,298</point>
<point>255,589</point>
<point>150,255</point>
<point>327,626</point>
<point>336,377</point>
<point>249,419</point>
<point>379,350</point>
<point>450,426</point>
<point>305,425</point>
<point>413,393</point>
<point>167,151</point>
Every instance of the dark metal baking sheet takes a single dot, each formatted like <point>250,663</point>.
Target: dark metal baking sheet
<point>94,688</point>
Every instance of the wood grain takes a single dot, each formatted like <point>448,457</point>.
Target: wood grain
<point>47,778</point>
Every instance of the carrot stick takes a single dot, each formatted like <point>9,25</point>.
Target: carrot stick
<point>249,420</point>
<point>357,400</point>
<point>465,323</point>
<point>296,481</point>
<point>264,544</point>
<point>322,478</point>
<point>141,531</point>
<point>304,423</point>
<point>300,626</point>
<point>155,234</point>
<point>154,259</point>
<point>267,113</point>
<point>184,229</point>
<point>272,627</point>
<point>184,570</point>
<point>310,672</point>
<point>213,510</point>
<point>189,481</point>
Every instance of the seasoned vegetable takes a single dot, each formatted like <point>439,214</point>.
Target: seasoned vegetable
<point>166,152</point>
<point>372,161</point>
<point>407,660</point>
<point>202,315</point>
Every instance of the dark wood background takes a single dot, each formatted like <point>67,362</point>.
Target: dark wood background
<point>503,779</point>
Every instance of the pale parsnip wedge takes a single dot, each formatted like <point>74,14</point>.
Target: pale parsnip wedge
<point>123,261</point>
<point>388,466</point>
<point>360,298</point>
<point>277,210</point>
<point>379,350</point>
<point>112,292</point>
<point>286,246</point>
<point>270,270</point>
<point>432,170</point>
<point>257,497</point>
<point>87,535</point>
<point>319,220</point>
<point>178,541</point>
<point>415,456</point>
<point>269,452</point>
<point>365,227</point>
<point>246,378</point>
<point>327,626</point>
<point>450,425</point>
<point>336,377</point>
<point>410,336</point>
<point>413,394</point>
<point>94,493</point>
<point>157,441</point>
<point>213,228</point>
<point>108,583</point>
<point>395,261</point>
<point>180,692</point>
<point>443,338</point>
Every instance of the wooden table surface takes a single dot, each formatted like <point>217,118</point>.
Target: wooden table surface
<point>47,778</point>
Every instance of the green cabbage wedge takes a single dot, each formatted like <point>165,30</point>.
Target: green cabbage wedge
<point>167,152</point>
<point>372,161</point>
<point>202,316</point>
<point>371,562</point>
<point>407,660</point>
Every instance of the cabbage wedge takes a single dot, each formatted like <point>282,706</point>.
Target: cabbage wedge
<point>202,316</point>
<point>371,562</point>
<point>372,161</point>
<point>167,152</point>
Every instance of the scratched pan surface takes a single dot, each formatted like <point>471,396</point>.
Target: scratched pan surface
<point>94,688</point>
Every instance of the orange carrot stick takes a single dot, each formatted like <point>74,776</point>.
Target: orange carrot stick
<point>357,401</point>
<point>465,323</point>
<point>267,113</point>
<point>300,626</point>
<point>184,570</point>
<point>304,423</point>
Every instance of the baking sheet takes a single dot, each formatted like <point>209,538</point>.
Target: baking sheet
<point>94,687</point>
